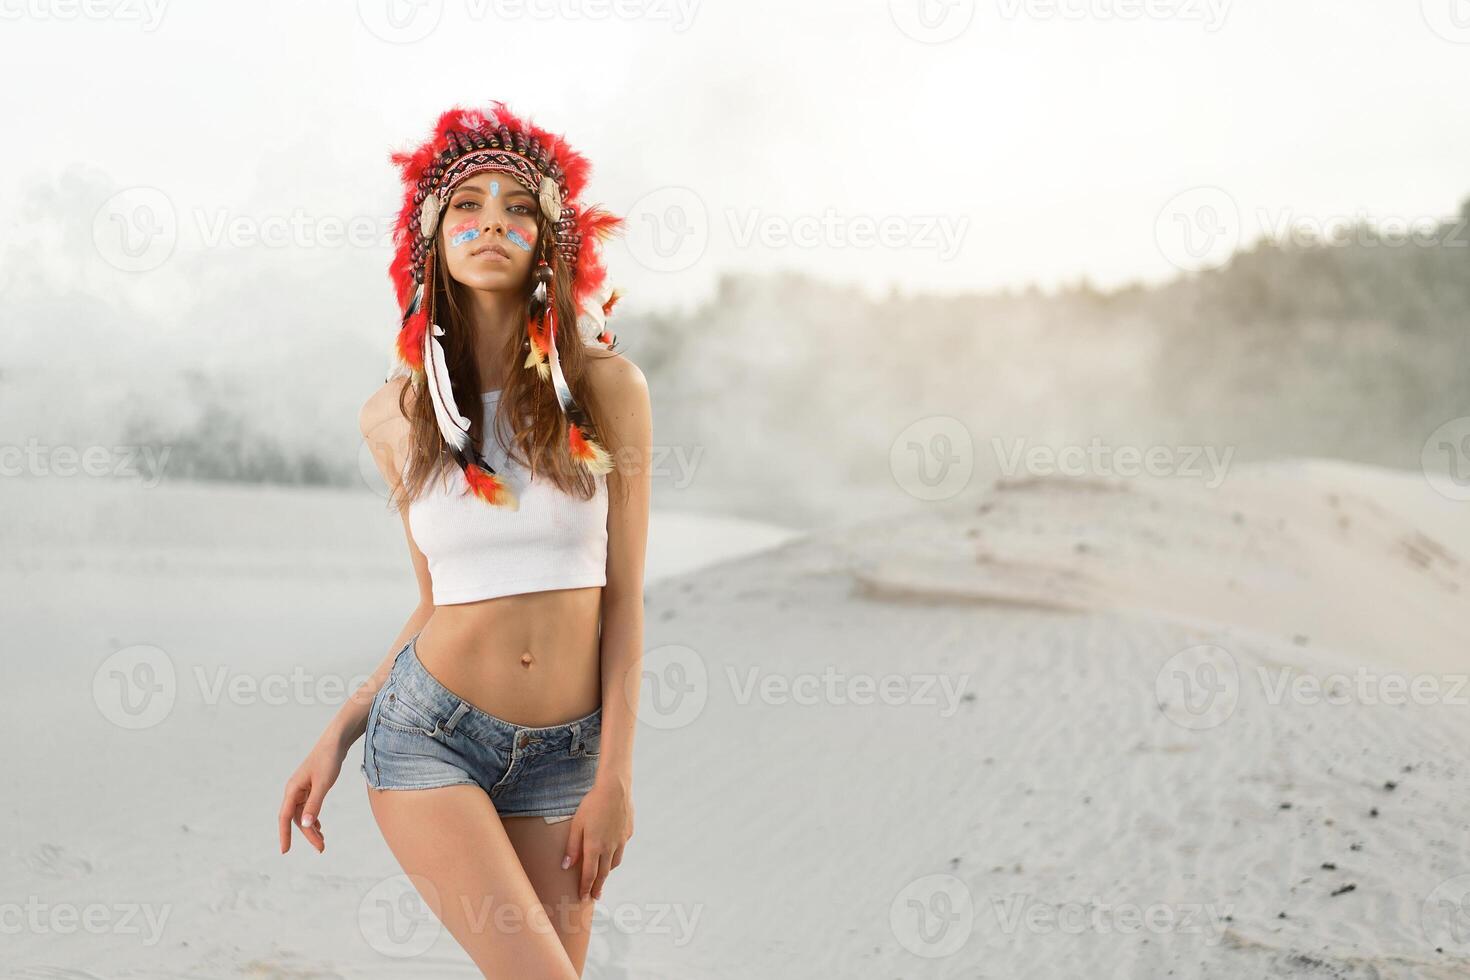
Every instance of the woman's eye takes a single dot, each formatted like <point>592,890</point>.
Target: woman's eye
<point>467,205</point>
<point>525,208</point>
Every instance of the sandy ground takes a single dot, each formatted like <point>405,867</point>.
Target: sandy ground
<point>1075,729</point>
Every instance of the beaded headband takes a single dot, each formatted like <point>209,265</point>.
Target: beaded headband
<point>467,142</point>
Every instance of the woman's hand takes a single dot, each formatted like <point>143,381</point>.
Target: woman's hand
<point>602,825</point>
<point>305,791</point>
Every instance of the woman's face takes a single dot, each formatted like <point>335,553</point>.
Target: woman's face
<point>487,233</point>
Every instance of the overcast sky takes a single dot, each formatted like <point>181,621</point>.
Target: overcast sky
<point>950,146</point>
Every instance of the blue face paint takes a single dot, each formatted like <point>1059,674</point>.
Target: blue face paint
<point>494,188</point>
<point>463,232</point>
<point>518,240</point>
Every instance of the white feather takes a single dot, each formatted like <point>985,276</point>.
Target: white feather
<point>453,426</point>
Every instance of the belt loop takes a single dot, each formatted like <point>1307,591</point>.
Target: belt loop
<point>459,712</point>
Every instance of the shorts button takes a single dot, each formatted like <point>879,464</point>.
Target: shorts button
<point>391,696</point>
<point>523,740</point>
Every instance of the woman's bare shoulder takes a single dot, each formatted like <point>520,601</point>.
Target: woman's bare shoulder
<point>382,407</point>
<point>615,378</point>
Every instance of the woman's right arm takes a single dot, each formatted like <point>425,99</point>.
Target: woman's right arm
<point>385,431</point>
<point>348,725</point>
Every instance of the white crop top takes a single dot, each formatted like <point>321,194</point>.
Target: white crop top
<point>553,540</point>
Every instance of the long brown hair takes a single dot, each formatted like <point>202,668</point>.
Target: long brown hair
<point>528,419</point>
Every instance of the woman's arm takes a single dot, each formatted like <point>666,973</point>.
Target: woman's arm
<point>350,721</point>
<point>604,822</point>
<point>385,431</point>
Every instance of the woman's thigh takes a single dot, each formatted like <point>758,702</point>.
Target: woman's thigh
<point>453,839</point>
<point>540,847</point>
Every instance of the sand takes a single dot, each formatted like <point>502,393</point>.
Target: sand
<point>1070,729</point>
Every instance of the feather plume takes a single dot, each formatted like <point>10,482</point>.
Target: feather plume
<point>452,425</point>
<point>587,452</point>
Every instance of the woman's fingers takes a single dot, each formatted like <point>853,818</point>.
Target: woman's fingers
<point>301,806</point>
<point>604,865</point>
<point>289,804</point>
<point>312,832</point>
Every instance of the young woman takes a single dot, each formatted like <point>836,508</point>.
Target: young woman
<point>499,730</point>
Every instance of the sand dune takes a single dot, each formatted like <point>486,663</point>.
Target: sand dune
<point>1070,730</point>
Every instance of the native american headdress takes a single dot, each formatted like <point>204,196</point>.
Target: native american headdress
<point>472,141</point>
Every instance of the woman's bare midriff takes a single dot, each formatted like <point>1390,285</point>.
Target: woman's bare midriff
<point>531,659</point>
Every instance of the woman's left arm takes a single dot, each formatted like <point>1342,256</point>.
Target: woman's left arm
<point>627,424</point>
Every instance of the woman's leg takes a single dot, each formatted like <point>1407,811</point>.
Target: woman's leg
<point>453,837</point>
<point>541,846</point>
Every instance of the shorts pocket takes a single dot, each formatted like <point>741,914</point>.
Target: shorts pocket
<point>588,744</point>
<point>403,715</point>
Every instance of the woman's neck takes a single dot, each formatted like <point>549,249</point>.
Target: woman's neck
<point>495,317</point>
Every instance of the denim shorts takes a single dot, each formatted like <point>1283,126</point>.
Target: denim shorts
<point>421,735</point>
